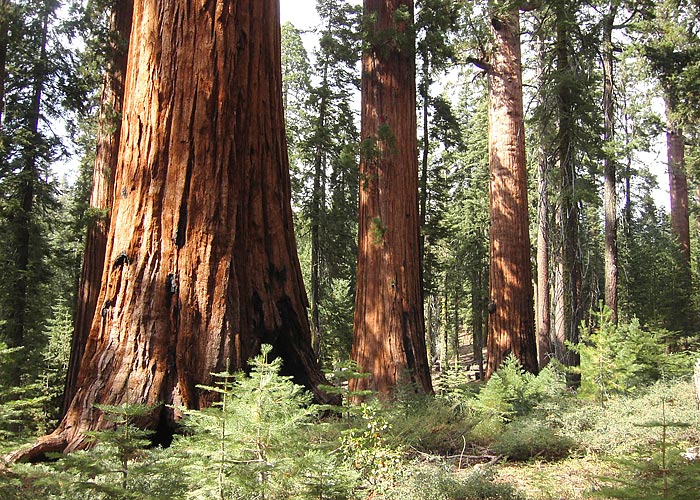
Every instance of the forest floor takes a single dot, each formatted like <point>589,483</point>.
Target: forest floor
<point>628,430</point>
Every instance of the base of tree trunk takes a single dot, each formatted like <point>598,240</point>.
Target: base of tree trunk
<point>57,442</point>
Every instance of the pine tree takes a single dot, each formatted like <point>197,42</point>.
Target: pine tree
<point>258,438</point>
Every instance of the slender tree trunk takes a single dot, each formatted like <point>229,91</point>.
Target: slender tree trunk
<point>543,316</point>
<point>102,193</point>
<point>201,257</point>
<point>389,331</point>
<point>560,331</point>
<point>478,320</point>
<point>456,322</point>
<point>570,274</point>
<point>609,168</point>
<point>318,207</point>
<point>511,322</point>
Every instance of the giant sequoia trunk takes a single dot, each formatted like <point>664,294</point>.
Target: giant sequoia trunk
<point>101,195</point>
<point>201,263</point>
<point>389,338</point>
<point>511,304</point>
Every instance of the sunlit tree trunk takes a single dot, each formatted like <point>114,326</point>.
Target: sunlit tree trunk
<point>201,263</point>
<point>389,338</point>
<point>101,195</point>
<point>610,170</point>
<point>511,303</point>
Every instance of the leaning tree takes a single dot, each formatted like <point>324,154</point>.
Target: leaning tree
<point>200,264</point>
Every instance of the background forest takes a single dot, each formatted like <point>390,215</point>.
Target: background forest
<point>611,94</point>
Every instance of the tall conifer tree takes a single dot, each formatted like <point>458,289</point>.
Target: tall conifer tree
<point>201,257</point>
<point>389,337</point>
<point>511,298</point>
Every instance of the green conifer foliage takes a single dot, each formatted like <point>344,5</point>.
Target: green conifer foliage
<point>121,466</point>
<point>323,139</point>
<point>258,441</point>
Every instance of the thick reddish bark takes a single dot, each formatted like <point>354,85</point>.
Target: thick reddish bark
<point>511,305</point>
<point>201,262</point>
<point>389,338</point>
<point>101,196</point>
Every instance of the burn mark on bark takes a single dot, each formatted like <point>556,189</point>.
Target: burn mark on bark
<point>496,23</point>
<point>408,347</point>
<point>181,234</point>
<point>121,259</point>
<point>105,308</point>
<point>278,275</point>
<point>171,284</point>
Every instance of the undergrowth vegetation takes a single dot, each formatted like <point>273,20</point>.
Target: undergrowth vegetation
<point>630,432</point>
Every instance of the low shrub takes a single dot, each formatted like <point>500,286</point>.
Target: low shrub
<point>528,437</point>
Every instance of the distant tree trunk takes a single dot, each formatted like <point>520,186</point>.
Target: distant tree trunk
<point>569,274</point>
<point>511,305</point>
<point>609,168</point>
<point>318,206</point>
<point>558,302</point>
<point>425,156</point>
<point>478,315</point>
<point>201,257</point>
<point>543,316</point>
<point>389,338</point>
<point>102,193</point>
<point>680,224</point>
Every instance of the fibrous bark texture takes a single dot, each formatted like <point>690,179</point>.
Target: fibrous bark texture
<point>102,193</point>
<point>389,338</point>
<point>201,264</point>
<point>511,305</point>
